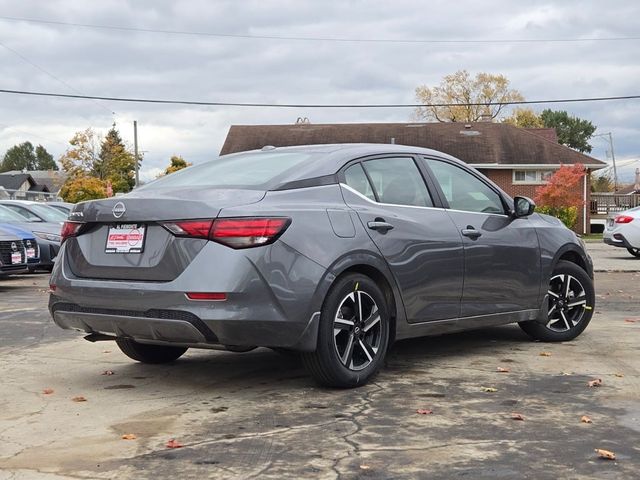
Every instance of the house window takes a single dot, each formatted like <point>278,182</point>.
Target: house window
<point>531,176</point>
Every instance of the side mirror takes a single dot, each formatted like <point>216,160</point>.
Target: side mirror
<point>523,207</point>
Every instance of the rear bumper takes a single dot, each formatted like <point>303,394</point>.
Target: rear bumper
<point>270,301</point>
<point>621,241</point>
<point>183,328</point>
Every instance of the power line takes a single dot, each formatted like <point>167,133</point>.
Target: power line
<point>318,39</point>
<point>314,105</point>
<point>46,72</point>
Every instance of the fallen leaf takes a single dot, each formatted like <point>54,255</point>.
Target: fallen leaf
<point>517,416</point>
<point>129,436</point>
<point>489,389</point>
<point>108,372</point>
<point>365,467</point>
<point>619,375</point>
<point>47,391</point>
<point>585,419</point>
<point>106,351</point>
<point>173,443</point>
<point>79,399</point>
<point>503,370</point>
<point>596,382</point>
<point>545,354</point>
<point>629,320</point>
<point>424,411</point>
<point>606,454</point>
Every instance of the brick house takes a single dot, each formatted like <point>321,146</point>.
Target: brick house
<point>519,160</point>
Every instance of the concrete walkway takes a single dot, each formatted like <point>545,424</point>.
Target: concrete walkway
<point>612,259</point>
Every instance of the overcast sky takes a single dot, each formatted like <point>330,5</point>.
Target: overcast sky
<point>156,65</point>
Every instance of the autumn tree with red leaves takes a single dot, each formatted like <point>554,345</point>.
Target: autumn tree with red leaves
<point>561,196</point>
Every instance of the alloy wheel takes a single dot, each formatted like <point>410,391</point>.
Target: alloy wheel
<point>357,330</point>
<point>567,303</point>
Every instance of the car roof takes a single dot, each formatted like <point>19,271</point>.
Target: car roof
<point>331,157</point>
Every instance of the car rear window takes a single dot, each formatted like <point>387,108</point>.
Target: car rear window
<point>256,170</point>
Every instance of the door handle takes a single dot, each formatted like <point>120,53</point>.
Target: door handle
<point>471,232</point>
<point>380,225</point>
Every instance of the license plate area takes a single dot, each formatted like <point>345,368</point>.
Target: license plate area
<point>126,238</point>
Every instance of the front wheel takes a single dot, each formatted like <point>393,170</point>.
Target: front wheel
<point>634,251</point>
<point>146,353</point>
<point>353,334</point>
<point>571,299</point>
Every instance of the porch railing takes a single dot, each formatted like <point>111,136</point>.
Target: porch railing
<point>603,204</point>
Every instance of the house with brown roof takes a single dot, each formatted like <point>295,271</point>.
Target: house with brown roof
<point>518,160</point>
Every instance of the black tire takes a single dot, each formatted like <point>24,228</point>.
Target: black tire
<point>145,353</point>
<point>634,251</point>
<point>570,310</point>
<point>350,357</point>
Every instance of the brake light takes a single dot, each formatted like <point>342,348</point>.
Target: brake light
<point>245,232</point>
<point>190,228</point>
<point>623,219</point>
<point>70,229</point>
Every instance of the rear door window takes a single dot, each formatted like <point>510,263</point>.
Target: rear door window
<point>398,181</point>
<point>357,179</point>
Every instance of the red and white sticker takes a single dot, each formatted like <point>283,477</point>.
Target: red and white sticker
<point>31,253</point>
<point>16,257</point>
<point>125,239</point>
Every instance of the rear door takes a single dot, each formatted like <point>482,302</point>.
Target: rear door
<point>417,238</point>
<point>502,255</point>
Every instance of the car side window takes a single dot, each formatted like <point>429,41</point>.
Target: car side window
<point>398,181</point>
<point>356,179</point>
<point>463,190</point>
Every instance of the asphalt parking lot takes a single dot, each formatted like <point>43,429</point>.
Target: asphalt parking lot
<point>258,415</point>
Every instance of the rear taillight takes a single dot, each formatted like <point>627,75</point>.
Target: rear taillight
<point>240,232</point>
<point>70,229</point>
<point>623,219</point>
<point>190,228</point>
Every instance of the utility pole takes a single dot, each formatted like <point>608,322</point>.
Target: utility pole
<point>613,157</point>
<point>135,150</point>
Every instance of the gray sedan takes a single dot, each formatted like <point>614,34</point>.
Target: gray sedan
<point>334,251</point>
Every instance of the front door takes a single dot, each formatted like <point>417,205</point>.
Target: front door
<point>502,255</point>
<point>420,243</point>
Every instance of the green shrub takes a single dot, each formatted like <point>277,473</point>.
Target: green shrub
<point>567,215</point>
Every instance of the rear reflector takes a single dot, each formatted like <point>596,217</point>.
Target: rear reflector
<point>623,219</point>
<point>70,229</point>
<point>240,232</point>
<point>211,296</point>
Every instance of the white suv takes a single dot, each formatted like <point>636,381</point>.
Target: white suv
<point>623,230</point>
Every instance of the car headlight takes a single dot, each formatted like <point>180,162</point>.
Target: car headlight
<point>52,237</point>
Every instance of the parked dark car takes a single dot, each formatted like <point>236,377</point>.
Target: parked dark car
<point>335,251</point>
<point>47,235</point>
<point>13,253</point>
<point>32,249</point>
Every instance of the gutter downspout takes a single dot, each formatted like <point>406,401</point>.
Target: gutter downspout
<point>584,201</point>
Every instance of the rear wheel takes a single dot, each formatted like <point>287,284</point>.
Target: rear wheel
<point>571,299</point>
<point>145,353</point>
<point>353,334</point>
<point>634,251</point>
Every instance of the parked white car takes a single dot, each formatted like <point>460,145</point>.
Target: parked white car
<point>623,230</point>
